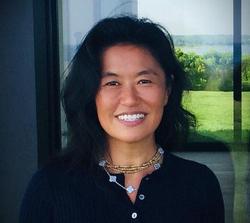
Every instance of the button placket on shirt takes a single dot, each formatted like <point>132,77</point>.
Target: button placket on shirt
<point>141,197</point>
<point>134,215</point>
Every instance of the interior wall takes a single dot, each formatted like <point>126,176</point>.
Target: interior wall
<point>18,131</point>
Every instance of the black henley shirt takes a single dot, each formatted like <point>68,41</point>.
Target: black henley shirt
<point>180,191</point>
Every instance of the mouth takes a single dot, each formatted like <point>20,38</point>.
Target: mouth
<point>131,117</point>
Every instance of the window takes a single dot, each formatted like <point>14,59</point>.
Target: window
<point>76,17</point>
<point>207,44</point>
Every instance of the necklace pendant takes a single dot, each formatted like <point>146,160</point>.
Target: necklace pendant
<point>112,178</point>
<point>161,151</point>
<point>130,189</point>
<point>102,163</point>
<point>157,166</point>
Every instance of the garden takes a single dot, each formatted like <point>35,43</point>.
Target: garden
<point>209,94</point>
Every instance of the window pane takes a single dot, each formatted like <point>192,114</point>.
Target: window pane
<point>203,38</point>
<point>245,68</point>
<point>76,17</point>
<point>203,35</point>
<point>243,159</point>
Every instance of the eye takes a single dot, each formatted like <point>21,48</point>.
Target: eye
<point>144,81</point>
<point>111,83</point>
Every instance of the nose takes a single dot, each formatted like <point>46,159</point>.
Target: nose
<point>129,96</point>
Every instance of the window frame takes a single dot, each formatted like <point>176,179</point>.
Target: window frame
<point>47,79</point>
<point>47,68</point>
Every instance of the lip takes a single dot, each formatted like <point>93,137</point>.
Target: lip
<point>131,113</point>
<point>131,123</point>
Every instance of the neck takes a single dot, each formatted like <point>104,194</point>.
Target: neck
<point>120,153</point>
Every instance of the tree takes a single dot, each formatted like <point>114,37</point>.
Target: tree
<point>245,69</point>
<point>219,70</point>
<point>212,71</point>
<point>194,66</point>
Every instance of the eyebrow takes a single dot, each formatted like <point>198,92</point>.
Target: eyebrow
<point>143,72</point>
<point>108,74</point>
<point>147,72</point>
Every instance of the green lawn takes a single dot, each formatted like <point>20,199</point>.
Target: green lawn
<point>214,112</point>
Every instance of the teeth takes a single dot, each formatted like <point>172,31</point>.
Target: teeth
<point>131,118</point>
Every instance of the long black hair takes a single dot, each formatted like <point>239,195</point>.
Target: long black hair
<point>87,141</point>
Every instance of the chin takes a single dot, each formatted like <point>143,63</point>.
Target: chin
<point>132,138</point>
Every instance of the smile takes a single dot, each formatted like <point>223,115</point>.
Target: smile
<point>131,118</point>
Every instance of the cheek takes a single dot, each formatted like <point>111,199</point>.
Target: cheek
<point>99,105</point>
<point>157,97</point>
<point>104,104</point>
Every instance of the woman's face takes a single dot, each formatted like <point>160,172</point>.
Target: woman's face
<point>132,94</point>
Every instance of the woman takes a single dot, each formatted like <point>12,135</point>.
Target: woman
<point>122,99</point>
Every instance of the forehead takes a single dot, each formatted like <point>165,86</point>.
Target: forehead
<point>130,61</point>
<point>122,55</point>
<point>126,47</point>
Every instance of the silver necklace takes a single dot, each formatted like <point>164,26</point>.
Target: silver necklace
<point>113,179</point>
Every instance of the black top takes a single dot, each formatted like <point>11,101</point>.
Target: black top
<point>180,191</point>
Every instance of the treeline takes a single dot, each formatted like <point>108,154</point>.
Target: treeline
<point>213,71</point>
<point>194,40</point>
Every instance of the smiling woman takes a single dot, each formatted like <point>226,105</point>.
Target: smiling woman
<point>130,102</point>
<point>122,100</point>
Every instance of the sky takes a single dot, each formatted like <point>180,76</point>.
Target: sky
<point>179,17</point>
<point>190,17</point>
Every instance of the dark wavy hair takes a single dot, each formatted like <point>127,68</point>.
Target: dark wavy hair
<point>86,138</point>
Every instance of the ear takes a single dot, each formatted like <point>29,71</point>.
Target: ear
<point>168,89</point>
<point>168,92</point>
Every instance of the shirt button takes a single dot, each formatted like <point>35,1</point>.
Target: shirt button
<point>134,215</point>
<point>147,178</point>
<point>141,197</point>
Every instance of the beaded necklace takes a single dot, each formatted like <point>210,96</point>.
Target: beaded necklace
<point>155,161</point>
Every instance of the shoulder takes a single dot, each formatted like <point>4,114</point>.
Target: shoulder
<point>58,173</point>
<point>55,175</point>
<point>192,174</point>
<point>195,177</point>
<point>188,166</point>
<point>37,200</point>
<point>51,189</point>
<point>196,182</point>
